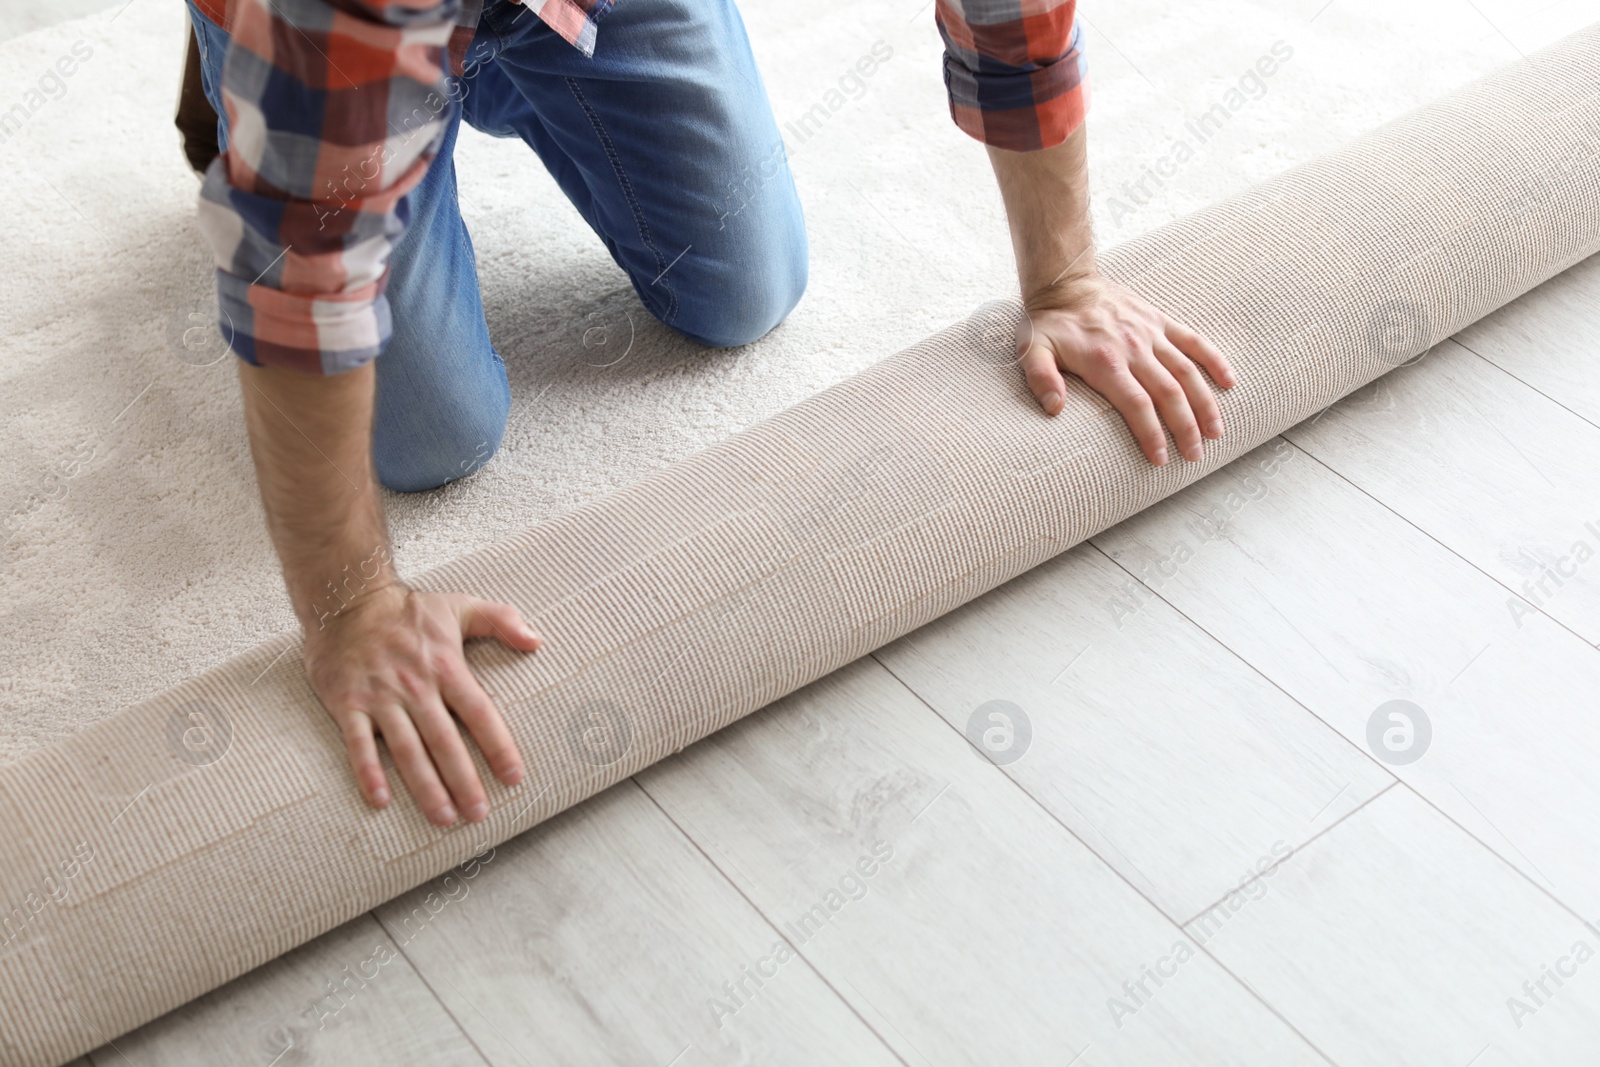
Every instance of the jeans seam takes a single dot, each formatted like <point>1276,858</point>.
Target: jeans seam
<point>470,254</point>
<point>487,20</point>
<point>671,314</point>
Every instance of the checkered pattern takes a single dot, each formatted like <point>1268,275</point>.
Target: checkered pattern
<point>1015,70</point>
<point>573,19</point>
<point>336,109</point>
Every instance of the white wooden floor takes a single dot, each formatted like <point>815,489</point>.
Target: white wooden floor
<point>1199,858</point>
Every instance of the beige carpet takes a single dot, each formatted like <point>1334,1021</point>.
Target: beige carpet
<point>134,554</point>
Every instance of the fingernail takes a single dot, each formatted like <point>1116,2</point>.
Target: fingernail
<point>511,775</point>
<point>380,796</point>
<point>476,812</point>
<point>445,815</point>
<point>1051,401</point>
<point>1193,455</point>
<point>1214,427</point>
<point>1161,456</point>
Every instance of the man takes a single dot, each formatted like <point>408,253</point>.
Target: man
<point>347,283</point>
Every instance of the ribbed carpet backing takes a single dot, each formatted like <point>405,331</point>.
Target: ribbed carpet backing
<point>176,845</point>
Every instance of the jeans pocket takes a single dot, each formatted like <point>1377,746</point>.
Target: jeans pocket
<point>212,42</point>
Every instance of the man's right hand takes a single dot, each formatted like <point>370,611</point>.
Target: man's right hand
<point>391,663</point>
<point>383,658</point>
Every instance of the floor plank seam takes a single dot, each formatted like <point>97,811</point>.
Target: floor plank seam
<point>1304,844</point>
<point>1457,555</point>
<point>1521,381</point>
<point>1268,1005</point>
<point>1252,668</point>
<point>770,921</point>
<point>1364,753</point>
<point>434,993</point>
<point>1571,910</point>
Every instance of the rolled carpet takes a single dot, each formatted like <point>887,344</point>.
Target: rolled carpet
<point>704,592</point>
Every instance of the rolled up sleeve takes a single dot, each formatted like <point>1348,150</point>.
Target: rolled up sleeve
<point>1014,70</point>
<point>335,110</point>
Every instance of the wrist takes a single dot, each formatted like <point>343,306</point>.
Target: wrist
<point>1074,285</point>
<point>371,577</point>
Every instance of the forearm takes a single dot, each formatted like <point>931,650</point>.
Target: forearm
<point>1046,196</point>
<point>310,437</point>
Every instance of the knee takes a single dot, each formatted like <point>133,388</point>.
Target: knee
<point>741,302</point>
<point>423,459</point>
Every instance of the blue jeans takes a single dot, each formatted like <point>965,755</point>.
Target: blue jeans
<point>665,143</point>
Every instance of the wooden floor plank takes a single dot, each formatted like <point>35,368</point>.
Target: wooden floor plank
<point>1349,608</point>
<point>1496,471</point>
<point>348,997</point>
<point>1546,338</point>
<point>944,903</point>
<point>605,937</point>
<point>1167,755</point>
<point>1395,940</point>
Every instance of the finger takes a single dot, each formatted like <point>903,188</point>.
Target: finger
<point>473,707</point>
<point>1112,380</point>
<point>1202,352</point>
<point>1202,401</point>
<point>449,754</point>
<point>487,618</point>
<point>1172,402</point>
<point>416,768</point>
<point>1038,362</point>
<point>363,751</point>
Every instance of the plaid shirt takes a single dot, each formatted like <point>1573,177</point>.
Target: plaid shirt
<point>337,107</point>
<point>1014,69</point>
